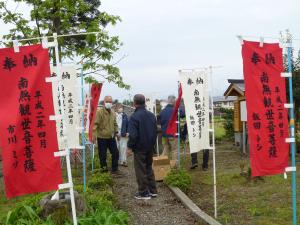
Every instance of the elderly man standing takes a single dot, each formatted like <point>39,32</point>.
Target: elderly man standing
<point>106,130</point>
<point>170,143</point>
<point>122,121</point>
<point>142,140</point>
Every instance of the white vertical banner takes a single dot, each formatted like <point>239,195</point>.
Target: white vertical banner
<point>86,111</point>
<point>196,100</point>
<point>69,99</point>
<point>149,103</point>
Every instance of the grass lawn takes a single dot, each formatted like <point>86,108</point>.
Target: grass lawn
<point>242,201</point>
<point>219,129</point>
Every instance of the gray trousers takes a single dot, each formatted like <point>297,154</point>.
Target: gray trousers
<point>144,172</point>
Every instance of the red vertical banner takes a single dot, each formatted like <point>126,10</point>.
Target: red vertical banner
<point>95,95</point>
<point>267,118</point>
<point>172,128</point>
<point>27,136</point>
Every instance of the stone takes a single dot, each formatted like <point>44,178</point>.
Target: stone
<point>62,207</point>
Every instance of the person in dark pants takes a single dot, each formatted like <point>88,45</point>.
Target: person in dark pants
<point>142,139</point>
<point>205,160</point>
<point>105,130</point>
<point>194,158</point>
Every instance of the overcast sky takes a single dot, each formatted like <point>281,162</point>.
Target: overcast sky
<point>161,37</point>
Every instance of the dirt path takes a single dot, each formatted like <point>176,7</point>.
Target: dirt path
<point>163,210</point>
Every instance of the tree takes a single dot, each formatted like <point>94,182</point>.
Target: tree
<point>296,83</point>
<point>228,115</point>
<point>127,102</point>
<point>296,94</point>
<point>95,51</point>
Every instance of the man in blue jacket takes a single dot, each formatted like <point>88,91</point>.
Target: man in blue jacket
<point>142,140</point>
<point>170,143</point>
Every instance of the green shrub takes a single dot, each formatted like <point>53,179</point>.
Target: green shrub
<point>107,196</point>
<point>100,181</point>
<point>101,210</point>
<point>60,216</point>
<point>179,178</point>
<point>228,115</point>
<point>33,202</point>
<point>100,202</point>
<point>105,216</point>
<point>102,199</point>
<point>22,214</point>
<point>79,189</point>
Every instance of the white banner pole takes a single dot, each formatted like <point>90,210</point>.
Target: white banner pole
<point>213,142</point>
<point>70,180</point>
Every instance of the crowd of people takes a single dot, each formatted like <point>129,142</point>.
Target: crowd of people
<point>137,136</point>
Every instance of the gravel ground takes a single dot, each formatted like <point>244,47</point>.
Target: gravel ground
<point>163,210</point>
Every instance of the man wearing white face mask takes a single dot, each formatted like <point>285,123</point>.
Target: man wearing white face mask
<point>106,130</point>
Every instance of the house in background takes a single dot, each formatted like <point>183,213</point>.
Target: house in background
<point>224,102</point>
<point>128,110</point>
<point>236,89</point>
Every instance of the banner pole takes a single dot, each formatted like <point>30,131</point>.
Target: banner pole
<point>178,129</point>
<point>213,145</point>
<point>93,156</point>
<point>83,131</point>
<point>68,162</point>
<point>244,137</point>
<point>292,127</point>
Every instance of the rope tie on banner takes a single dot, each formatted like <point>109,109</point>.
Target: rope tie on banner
<point>261,42</point>
<point>286,75</point>
<point>16,46</point>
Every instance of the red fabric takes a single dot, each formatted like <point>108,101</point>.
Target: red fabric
<point>95,95</point>
<point>267,118</point>
<point>27,136</point>
<point>172,125</point>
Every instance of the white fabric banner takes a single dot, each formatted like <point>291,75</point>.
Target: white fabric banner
<point>86,111</point>
<point>69,99</point>
<point>196,100</point>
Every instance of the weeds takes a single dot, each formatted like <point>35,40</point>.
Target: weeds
<point>100,207</point>
<point>179,178</point>
<point>100,181</point>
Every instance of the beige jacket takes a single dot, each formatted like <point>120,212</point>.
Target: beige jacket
<point>105,124</point>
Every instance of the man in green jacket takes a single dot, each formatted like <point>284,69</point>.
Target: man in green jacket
<point>106,130</point>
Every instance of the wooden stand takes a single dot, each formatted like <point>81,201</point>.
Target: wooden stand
<point>161,167</point>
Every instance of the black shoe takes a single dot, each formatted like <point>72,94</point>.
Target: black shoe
<point>194,166</point>
<point>204,168</point>
<point>142,196</point>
